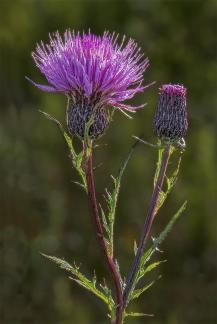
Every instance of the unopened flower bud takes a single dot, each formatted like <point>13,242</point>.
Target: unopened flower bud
<point>170,119</point>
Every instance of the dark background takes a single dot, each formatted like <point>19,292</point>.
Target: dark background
<point>40,207</point>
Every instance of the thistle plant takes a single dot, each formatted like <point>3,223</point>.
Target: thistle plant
<point>98,74</point>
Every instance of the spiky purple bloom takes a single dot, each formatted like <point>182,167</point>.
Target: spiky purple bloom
<point>170,119</point>
<point>95,72</point>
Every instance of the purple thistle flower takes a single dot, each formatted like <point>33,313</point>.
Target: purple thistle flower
<point>170,119</point>
<point>94,72</point>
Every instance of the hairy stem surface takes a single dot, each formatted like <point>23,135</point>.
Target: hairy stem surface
<point>152,210</point>
<point>100,235</point>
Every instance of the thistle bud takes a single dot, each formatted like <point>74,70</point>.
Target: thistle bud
<point>79,114</point>
<point>170,119</point>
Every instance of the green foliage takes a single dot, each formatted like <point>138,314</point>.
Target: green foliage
<point>149,268</point>
<point>160,154</point>
<point>111,199</point>
<point>135,293</point>
<point>77,159</point>
<point>134,314</point>
<point>102,293</point>
<point>170,181</point>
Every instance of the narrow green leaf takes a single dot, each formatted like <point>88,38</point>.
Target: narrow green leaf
<point>104,220</point>
<point>70,145</point>
<point>149,268</point>
<point>54,120</point>
<point>157,241</point>
<point>81,279</point>
<point>62,130</point>
<point>137,292</point>
<point>112,197</point>
<point>160,154</point>
<point>85,283</point>
<point>170,181</point>
<point>161,199</point>
<point>163,234</point>
<point>169,226</point>
<point>79,159</point>
<point>76,158</point>
<point>133,314</point>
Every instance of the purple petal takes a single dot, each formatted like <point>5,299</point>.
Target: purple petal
<point>41,86</point>
<point>96,67</point>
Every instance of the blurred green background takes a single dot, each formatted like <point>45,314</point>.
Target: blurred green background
<point>40,207</point>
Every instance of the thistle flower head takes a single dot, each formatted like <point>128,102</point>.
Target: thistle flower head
<point>94,72</point>
<point>170,119</point>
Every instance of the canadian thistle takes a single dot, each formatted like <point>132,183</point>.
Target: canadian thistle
<point>97,75</point>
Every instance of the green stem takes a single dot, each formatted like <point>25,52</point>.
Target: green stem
<point>152,210</point>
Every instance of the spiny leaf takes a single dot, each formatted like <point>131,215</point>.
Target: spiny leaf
<point>62,130</point>
<point>161,199</point>
<point>163,234</point>
<point>137,292</point>
<point>54,120</point>
<point>108,293</point>
<point>169,226</point>
<point>170,181</point>
<point>149,268</point>
<point>133,314</point>
<point>81,279</point>
<point>147,143</point>
<point>104,220</point>
<point>160,154</point>
<point>153,266</point>
<point>79,159</point>
<point>147,255</point>
<point>112,198</point>
<point>76,158</point>
<point>89,285</point>
<point>70,145</point>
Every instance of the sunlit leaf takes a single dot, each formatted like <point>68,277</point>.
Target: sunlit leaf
<point>76,158</point>
<point>147,255</point>
<point>170,181</point>
<point>149,268</point>
<point>112,198</point>
<point>133,314</point>
<point>82,280</point>
<point>137,292</point>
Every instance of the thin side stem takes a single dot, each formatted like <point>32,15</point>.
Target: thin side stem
<point>152,210</point>
<point>100,234</point>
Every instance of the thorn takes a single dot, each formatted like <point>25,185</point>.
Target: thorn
<point>113,178</point>
<point>158,250</point>
<point>124,113</point>
<point>145,142</point>
<point>100,145</point>
<point>97,166</point>
<point>79,185</point>
<point>104,282</point>
<point>149,315</point>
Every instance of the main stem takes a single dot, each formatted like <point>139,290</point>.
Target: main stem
<point>152,210</point>
<point>100,234</point>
